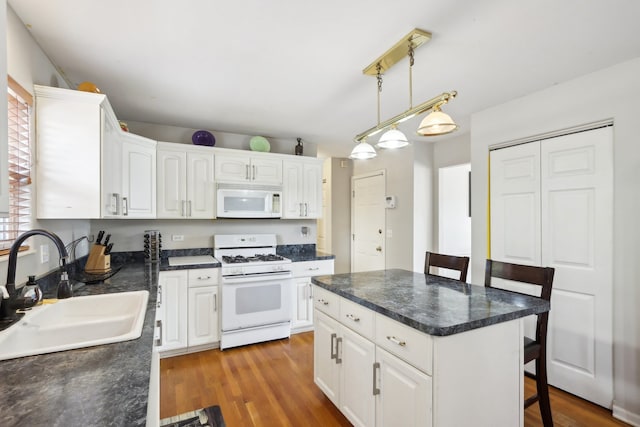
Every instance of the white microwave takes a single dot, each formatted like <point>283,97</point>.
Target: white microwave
<point>248,201</point>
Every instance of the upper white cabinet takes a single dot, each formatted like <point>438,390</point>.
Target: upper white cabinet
<point>185,181</point>
<point>245,168</point>
<point>302,188</point>
<point>138,166</point>
<point>73,129</point>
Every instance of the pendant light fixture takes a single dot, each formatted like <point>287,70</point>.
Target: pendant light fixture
<point>436,123</point>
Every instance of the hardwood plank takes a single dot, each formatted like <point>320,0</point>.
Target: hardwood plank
<point>271,384</point>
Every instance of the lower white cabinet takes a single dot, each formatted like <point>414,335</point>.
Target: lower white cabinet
<point>171,311</point>
<point>302,292</point>
<point>188,310</point>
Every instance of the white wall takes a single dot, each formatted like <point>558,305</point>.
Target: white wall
<point>336,176</point>
<point>613,93</point>
<point>29,65</point>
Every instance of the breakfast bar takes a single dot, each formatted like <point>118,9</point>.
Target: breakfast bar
<point>395,347</point>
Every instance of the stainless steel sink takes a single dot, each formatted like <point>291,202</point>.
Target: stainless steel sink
<point>76,323</point>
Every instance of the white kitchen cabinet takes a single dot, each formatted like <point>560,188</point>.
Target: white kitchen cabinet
<point>302,292</point>
<point>248,168</point>
<point>326,371</point>
<point>204,307</point>
<point>302,188</point>
<point>138,176</point>
<point>171,310</point>
<point>185,181</point>
<point>77,158</point>
<point>403,393</point>
<point>357,355</point>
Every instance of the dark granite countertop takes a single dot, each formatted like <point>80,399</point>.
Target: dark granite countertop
<point>300,253</point>
<point>106,385</point>
<point>431,304</point>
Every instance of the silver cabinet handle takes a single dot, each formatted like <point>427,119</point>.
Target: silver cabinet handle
<point>125,206</point>
<point>246,173</point>
<point>313,268</point>
<point>352,317</point>
<point>323,301</point>
<point>115,203</point>
<point>159,304</point>
<point>189,206</point>
<point>204,277</point>
<point>338,359</point>
<point>306,209</point>
<point>333,355</point>
<point>255,172</point>
<point>215,302</point>
<point>159,340</point>
<point>396,341</point>
<point>376,390</point>
<point>310,291</point>
<point>182,208</point>
<point>301,211</point>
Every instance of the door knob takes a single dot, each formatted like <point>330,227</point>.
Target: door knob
<point>379,249</point>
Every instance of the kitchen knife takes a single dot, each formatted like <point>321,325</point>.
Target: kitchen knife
<point>106,241</point>
<point>100,235</point>
<point>107,250</point>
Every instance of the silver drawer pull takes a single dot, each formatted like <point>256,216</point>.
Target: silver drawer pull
<point>313,268</point>
<point>352,317</point>
<point>322,301</point>
<point>396,341</point>
<point>204,277</point>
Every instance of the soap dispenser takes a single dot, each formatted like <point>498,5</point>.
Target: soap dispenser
<point>31,293</point>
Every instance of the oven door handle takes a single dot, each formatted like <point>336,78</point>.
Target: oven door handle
<point>247,278</point>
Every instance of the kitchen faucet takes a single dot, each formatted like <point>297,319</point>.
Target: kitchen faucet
<point>8,294</point>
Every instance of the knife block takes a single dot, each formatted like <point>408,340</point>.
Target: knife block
<point>98,262</point>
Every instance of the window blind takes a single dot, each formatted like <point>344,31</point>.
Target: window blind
<point>19,164</point>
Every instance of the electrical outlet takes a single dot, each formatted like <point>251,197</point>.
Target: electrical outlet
<point>44,254</point>
<point>177,237</point>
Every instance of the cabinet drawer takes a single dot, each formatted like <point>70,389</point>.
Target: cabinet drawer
<point>326,301</point>
<point>312,268</point>
<point>203,277</point>
<point>356,317</point>
<point>407,343</point>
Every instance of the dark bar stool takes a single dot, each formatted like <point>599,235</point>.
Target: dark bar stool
<point>533,349</point>
<point>457,263</point>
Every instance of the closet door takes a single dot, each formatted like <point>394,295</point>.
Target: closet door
<point>552,206</point>
<point>577,240</point>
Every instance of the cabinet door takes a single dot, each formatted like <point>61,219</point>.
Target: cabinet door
<point>313,190</point>
<point>357,356</point>
<point>139,176</point>
<point>405,397</point>
<point>302,307</point>
<point>203,316</point>
<point>266,171</point>
<point>112,168</point>
<point>173,301</point>
<point>172,185</point>
<point>326,372</point>
<point>200,188</point>
<point>292,189</point>
<point>231,168</point>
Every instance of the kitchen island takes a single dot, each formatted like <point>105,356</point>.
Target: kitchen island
<point>394,347</point>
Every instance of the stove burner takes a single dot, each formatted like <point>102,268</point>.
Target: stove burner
<point>238,259</point>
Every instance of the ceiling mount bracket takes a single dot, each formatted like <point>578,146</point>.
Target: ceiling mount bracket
<point>414,39</point>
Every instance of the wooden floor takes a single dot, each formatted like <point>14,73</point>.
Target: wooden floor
<point>271,384</point>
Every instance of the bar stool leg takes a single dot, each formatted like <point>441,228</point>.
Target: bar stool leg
<point>543,390</point>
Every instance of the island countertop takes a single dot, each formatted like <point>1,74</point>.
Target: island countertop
<point>431,304</point>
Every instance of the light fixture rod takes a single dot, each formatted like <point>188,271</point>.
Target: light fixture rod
<point>443,98</point>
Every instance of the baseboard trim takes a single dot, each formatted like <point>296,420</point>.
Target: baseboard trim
<point>626,416</point>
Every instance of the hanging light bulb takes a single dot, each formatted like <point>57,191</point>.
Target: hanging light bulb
<point>392,138</point>
<point>363,151</point>
<point>436,123</point>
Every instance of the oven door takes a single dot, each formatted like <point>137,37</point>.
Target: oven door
<point>247,304</point>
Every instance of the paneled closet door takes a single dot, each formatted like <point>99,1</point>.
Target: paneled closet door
<point>552,205</point>
<point>577,240</point>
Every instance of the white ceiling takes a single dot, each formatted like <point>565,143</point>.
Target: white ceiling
<point>293,68</point>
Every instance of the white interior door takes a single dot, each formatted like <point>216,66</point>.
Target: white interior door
<point>454,220</point>
<point>368,218</point>
<point>577,240</point>
<point>552,205</point>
